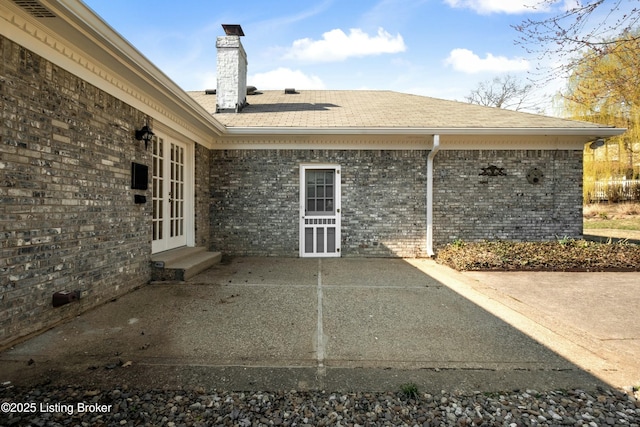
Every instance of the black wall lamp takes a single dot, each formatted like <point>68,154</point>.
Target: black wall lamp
<point>145,134</point>
<point>596,143</point>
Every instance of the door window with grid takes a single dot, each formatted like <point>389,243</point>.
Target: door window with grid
<point>320,192</point>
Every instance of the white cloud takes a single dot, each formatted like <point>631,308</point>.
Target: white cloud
<point>282,78</point>
<point>468,62</point>
<point>498,6</point>
<point>335,45</point>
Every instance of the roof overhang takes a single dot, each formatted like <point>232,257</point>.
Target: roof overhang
<point>79,41</point>
<point>411,139</point>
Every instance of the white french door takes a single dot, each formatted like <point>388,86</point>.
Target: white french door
<point>169,186</point>
<point>320,210</point>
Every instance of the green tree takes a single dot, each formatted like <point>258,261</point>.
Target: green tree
<point>604,87</point>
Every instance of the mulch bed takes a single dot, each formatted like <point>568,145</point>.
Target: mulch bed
<point>561,255</point>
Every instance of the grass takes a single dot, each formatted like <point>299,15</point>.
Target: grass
<point>409,390</point>
<point>619,216</point>
<point>616,224</point>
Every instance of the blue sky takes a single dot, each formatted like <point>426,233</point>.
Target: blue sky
<point>439,48</point>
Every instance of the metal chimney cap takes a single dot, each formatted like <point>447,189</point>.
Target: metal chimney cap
<point>233,30</point>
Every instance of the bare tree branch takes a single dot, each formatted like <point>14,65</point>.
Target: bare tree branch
<point>501,92</point>
<point>588,26</point>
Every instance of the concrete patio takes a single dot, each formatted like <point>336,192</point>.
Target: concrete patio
<point>348,324</point>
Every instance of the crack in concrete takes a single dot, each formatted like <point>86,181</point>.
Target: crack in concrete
<point>320,344</point>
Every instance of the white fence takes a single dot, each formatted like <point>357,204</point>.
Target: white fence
<point>616,190</point>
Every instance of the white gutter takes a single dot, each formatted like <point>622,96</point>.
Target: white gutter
<point>432,154</point>
<point>311,130</point>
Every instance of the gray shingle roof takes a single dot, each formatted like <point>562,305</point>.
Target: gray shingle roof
<point>374,109</point>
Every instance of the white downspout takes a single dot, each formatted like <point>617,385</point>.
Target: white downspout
<point>432,154</point>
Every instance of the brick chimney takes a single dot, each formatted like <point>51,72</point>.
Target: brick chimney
<point>231,93</point>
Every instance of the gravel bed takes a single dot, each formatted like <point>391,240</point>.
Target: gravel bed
<point>199,407</point>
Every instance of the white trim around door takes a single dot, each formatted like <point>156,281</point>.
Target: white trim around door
<point>320,210</point>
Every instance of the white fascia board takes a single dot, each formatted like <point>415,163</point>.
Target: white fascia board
<point>602,132</point>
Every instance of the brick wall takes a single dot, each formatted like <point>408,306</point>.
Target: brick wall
<point>201,196</point>
<point>255,197</point>
<point>473,207</point>
<point>67,214</point>
<point>255,201</point>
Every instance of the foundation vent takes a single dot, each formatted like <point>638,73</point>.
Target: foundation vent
<point>35,8</point>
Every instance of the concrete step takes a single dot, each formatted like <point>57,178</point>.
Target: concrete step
<point>182,263</point>
<point>161,259</point>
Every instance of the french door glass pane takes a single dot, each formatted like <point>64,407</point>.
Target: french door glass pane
<point>157,187</point>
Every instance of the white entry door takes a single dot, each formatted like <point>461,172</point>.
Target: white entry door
<point>320,211</point>
<point>169,189</point>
